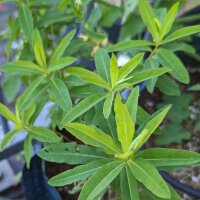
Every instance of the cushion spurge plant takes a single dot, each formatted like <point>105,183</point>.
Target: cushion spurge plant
<point>121,158</point>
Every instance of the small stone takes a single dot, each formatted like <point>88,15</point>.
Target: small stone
<point>195,179</point>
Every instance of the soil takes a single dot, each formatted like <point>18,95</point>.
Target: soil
<point>149,102</point>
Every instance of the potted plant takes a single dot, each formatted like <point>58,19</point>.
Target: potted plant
<point>88,104</point>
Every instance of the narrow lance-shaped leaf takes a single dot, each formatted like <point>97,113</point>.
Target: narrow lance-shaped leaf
<point>148,129</point>
<point>148,17</point>
<point>61,63</point>
<point>29,112</point>
<point>62,46</point>
<point>108,104</point>
<point>128,185</point>
<point>130,66</point>
<point>22,67</point>
<point>169,20</point>
<point>167,157</point>
<point>114,71</point>
<point>132,103</point>
<point>77,173</point>
<point>81,108</point>
<point>182,33</point>
<point>125,126</point>
<point>93,136</point>
<point>28,149</point>
<point>26,22</point>
<point>40,56</point>
<point>100,180</point>
<point>102,63</point>
<point>149,176</point>
<point>170,60</point>
<point>61,94</point>
<point>88,76</point>
<point>42,134</point>
<point>4,111</point>
<point>8,137</point>
<point>37,39</point>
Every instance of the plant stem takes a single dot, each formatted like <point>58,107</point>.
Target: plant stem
<point>154,51</point>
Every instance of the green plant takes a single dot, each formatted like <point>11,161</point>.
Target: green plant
<point>83,99</point>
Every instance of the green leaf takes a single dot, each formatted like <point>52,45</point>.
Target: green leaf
<point>22,67</point>
<point>100,180</point>
<point>132,103</point>
<point>37,39</point>
<point>28,150</point>
<point>92,136</point>
<point>78,173</point>
<point>129,44</point>
<point>125,126</point>
<point>182,33</point>
<point>114,71</point>
<point>145,75</point>
<point>195,88</point>
<point>148,128</point>
<point>31,94</point>
<point>40,56</point>
<point>148,17</point>
<point>4,111</point>
<point>142,115</point>
<point>130,66</point>
<point>29,112</point>
<point>8,137</point>
<point>88,76</point>
<point>61,63</point>
<point>42,134</point>
<point>169,157</point>
<point>26,22</point>
<point>170,60</point>
<point>151,64</point>
<point>60,94</point>
<point>108,105</point>
<point>169,20</point>
<point>94,17</point>
<point>61,153</point>
<point>62,46</point>
<point>147,174</point>
<point>128,185</point>
<point>81,108</point>
<point>168,86</point>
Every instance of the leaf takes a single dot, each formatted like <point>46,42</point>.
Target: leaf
<point>130,66</point>
<point>125,126</point>
<point>182,32</point>
<point>128,185</point>
<point>28,149</point>
<point>8,137</point>
<point>100,180</point>
<point>168,86</point>
<point>114,71</point>
<point>151,64</point>
<point>61,63</point>
<point>129,44</point>
<point>42,134</point>
<point>132,103</point>
<point>61,94</point>
<point>92,136</point>
<point>108,105</point>
<point>142,115</point>
<point>148,17</point>
<point>169,20</point>
<point>170,60</point>
<point>29,112</point>
<point>195,88</point>
<point>148,128</point>
<point>37,39</point>
<point>88,76</point>
<point>77,173</point>
<point>40,56</point>
<point>31,94</point>
<point>169,157</point>
<point>81,108</point>
<point>62,46</point>
<point>22,67</point>
<point>4,111</point>
<point>145,75</point>
<point>64,154</point>
<point>147,174</point>
<point>94,17</point>
<point>26,22</point>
